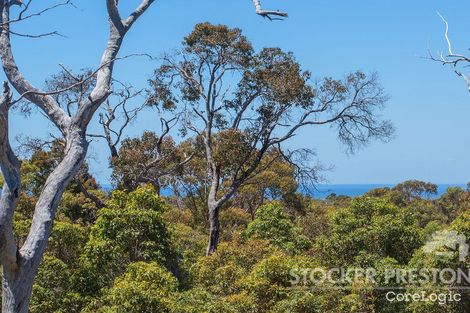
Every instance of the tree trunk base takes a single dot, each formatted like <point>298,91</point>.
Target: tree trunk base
<point>214,230</point>
<point>16,293</point>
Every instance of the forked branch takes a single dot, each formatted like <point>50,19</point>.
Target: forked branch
<point>452,59</point>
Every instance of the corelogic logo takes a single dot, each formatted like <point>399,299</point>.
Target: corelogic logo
<point>451,240</point>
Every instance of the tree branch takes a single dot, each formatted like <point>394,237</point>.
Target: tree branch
<point>271,15</point>
<point>452,58</point>
<point>22,17</point>
<point>96,200</point>
<point>46,103</point>
<point>104,75</point>
<point>144,5</point>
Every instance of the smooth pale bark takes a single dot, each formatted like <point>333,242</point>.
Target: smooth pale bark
<point>10,167</point>
<point>18,277</point>
<point>270,14</point>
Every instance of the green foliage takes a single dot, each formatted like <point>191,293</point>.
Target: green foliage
<point>277,181</point>
<point>139,254</point>
<point>232,150</point>
<point>299,302</point>
<point>415,189</point>
<point>220,272</point>
<point>433,260</point>
<point>371,226</point>
<point>194,301</point>
<point>129,229</point>
<point>315,222</point>
<point>21,227</point>
<point>232,222</point>
<point>206,38</point>
<point>274,225</point>
<point>67,242</point>
<point>52,290</point>
<point>199,300</point>
<point>189,245</point>
<point>270,279</point>
<point>143,288</point>
<point>462,224</point>
<point>76,207</point>
<point>147,159</point>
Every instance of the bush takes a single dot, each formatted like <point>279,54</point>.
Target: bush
<point>67,241</point>
<point>232,222</point>
<point>144,288</point>
<point>370,228</point>
<point>52,291</point>
<point>129,229</point>
<point>274,225</point>
<point>270,280</point>
<point>220,272</point>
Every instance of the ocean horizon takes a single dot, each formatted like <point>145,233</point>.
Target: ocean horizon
<point>321,191</point>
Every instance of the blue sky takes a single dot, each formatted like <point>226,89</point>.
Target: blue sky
<point>429,105</point>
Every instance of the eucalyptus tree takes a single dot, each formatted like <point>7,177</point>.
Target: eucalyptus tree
<point>20,264</point>
<point>241,104</point>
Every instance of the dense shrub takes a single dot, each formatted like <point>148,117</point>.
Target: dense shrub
<point>370,228</point>
<point>129,229</point>
<point>274,225</point>
<point>143,288</point>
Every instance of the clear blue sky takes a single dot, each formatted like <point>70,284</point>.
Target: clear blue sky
<point>429,105</point>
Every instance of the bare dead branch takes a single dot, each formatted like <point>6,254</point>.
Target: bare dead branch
<point>271,15</point>
<point>144,5</point>
<point>19,82</point>
<point>22,16</point>
<point>110,115</point>
<point>452,59</point>
<point>49,34</point>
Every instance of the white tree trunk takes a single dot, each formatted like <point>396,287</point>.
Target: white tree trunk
<point>18,275</point>
<point>16,291</point>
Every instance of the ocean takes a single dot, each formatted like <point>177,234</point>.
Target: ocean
<point>354,190</point>
<point>322,191</point>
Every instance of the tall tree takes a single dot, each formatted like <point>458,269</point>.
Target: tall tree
<point>20,264</point>
<point>242,104</point>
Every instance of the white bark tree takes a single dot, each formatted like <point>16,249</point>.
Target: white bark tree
<point>20,264</point>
